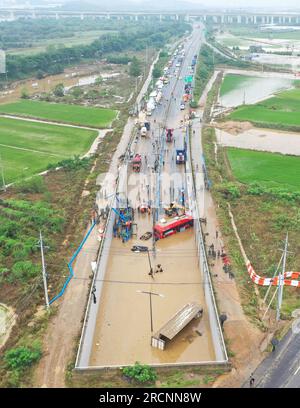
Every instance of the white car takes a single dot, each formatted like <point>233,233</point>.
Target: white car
<point>182,106</point>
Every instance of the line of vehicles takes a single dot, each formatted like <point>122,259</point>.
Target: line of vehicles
<point>175,218</point>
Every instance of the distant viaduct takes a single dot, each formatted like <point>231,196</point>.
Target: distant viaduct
<point>226,17</point>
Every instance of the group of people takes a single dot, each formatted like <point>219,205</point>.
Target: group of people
<point>157,269</point>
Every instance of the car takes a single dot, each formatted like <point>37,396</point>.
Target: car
<point>139,248</point>
<point>182,106</point>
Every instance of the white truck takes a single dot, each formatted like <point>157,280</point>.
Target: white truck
<point>150,106</point>
<point>144,131</point>
<point>158,97</point>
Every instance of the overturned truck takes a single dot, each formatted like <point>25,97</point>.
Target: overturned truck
<point>177,323</point>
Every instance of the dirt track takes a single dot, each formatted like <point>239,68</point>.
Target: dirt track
<point>66,325</point>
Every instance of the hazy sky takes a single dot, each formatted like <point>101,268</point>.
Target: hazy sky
<point>247,3</point>
<point>241,3</point>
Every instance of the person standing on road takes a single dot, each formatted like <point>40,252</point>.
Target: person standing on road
<point>251,381</point>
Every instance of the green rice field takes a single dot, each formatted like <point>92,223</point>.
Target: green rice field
<point>232,82</point>
<point>26,148</point>
<point>59,112</point>
<point>269,169</point>
<point>283,110</point>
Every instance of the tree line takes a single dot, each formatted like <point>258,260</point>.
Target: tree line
<point>134,38</point>
<point>23,33</point>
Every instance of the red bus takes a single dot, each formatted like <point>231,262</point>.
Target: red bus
<point>177,224</point>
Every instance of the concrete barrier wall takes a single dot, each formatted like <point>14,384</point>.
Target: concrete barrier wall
<point>216,331</point>
<point>87,335</point>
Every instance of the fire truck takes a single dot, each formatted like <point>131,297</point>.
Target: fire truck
<point>136,163</point>
<point>169,135</point>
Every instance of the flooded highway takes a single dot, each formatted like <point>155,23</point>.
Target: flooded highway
<point>123,326</point>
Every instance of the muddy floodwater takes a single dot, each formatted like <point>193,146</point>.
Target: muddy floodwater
<point>254,89</point>
<point>274,141</point>
<point>123,331</point>
<point>77,76</point>
<point>291,60</point>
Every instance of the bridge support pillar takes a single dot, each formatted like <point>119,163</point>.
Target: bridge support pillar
<point>136,17</point>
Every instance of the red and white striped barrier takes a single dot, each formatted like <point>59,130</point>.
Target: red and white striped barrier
<point>292,281</point>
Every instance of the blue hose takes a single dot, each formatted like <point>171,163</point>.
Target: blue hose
<point>70,263</point>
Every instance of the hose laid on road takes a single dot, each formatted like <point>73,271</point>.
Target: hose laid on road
<point>70,264</point>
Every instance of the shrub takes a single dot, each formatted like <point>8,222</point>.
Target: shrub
<point>140,373</point>
<point>24,269</point>
<point>33,185</point>
<point>24,93</point>
<point>229,190</point>
<point>71,164</point>
<point>22,357</point>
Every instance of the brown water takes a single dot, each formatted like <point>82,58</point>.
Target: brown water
<point>123,332</point>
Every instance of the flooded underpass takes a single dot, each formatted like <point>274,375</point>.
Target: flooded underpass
<point>123,326</point>
<point>117,329</point>
<point>123,330</point>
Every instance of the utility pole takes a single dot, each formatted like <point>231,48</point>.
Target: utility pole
<point>280,278</point>
<point>150,303</point>
<point>44,271</point>
<point>150,265</point>
<point>2,174</point>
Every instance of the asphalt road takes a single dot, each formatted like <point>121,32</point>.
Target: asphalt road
<point>281,369</point>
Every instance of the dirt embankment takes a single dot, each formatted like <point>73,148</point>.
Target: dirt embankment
<point>233,127</point>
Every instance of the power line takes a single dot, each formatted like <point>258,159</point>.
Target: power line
<point>44,271</point>
<point>202,282</point>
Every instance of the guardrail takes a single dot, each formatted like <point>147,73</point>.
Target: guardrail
<point>216,331</point>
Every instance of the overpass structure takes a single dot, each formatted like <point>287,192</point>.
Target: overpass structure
<point>218,17</point>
